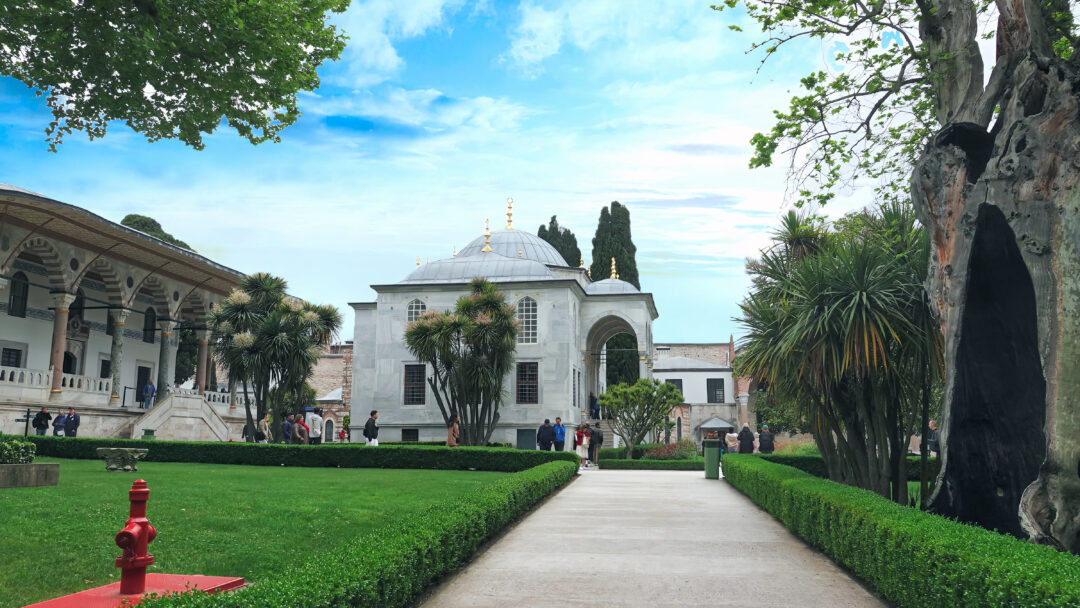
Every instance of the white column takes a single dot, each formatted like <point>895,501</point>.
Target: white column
<point>164,382</point>
<point>61,302</point>
<point>116,354</point>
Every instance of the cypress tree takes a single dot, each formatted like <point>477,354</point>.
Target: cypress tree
<point>562,239</point>
<point>613,240</point>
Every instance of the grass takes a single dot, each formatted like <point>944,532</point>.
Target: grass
<point>221,520</point>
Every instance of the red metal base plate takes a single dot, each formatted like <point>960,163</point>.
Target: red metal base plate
<point>109,596</point>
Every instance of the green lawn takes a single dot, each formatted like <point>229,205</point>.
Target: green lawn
<point>211,519</point>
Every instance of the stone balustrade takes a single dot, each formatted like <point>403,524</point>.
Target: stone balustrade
<point>25,377</point>
<point>86,384</point>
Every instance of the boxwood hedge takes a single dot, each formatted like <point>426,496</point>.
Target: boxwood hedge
<point>697,464</point>
<point>327,455</point>
<point>815,465</point>
<point>912,558</point>
<point>390,566</point>
<point>620,453</point>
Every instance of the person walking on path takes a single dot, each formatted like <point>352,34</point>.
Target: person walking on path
<point>41,421</point>
<point>315,421</point>
<point>263,435</point>
<point>148,392</point>
<point>545,436</point>
<point>560,435</point>
<point>746,440</point>
<point>596,439</point>
<point>933,440</point>
<point>371,429</point>
<point>453,431</point>
<point>581,444</point>
<point>341,435</point>
<point>58,425</point>
<point>594,406</point>
<point>286,429</point>
<point>71,423</point>
<point>300,431</point>
<point>731,441</point>
<point>765,440</point>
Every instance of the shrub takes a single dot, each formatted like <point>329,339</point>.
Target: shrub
<point>654,465</point>
<point>685,449</point>
<point>327,455</point>
<point>392,565</point>
<point>15,450</point>
<point>815,465</point>
<point>620,453</point>
<point>798,448</point>
<point>912,558</point>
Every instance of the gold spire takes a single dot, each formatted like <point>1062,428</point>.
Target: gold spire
<point>581,262</point>
<point>614,272</point>
<point>455,251</point>
<point>417,262</point>
<point>510,213</point>
<point>519,252</point>
<point>487,238</point>
<point>588,271</point>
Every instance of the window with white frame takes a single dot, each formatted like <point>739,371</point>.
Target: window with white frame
<point>526,315</point>
<point>715,390</point>
<point>415,310</point>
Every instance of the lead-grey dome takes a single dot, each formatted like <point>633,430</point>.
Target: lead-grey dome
<point>610,286</point>
<point>508,242</point>
<point>491,266</point>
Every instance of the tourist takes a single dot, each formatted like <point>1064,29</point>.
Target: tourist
<point>300,431</point>
<point>315,421</point>
<point>731,441</point>
<point>286,429</point>
<point>545,436</point>
<point>594,406</point>
<point>746,440</point>
<point>560,434</point>
<point>765,440</point>
<point>41,421</point>
<point>581,444</point>
<point>596,439</point>
<point>148,392</point>
<point>933,440</point>
<point>263,435</point>
<point>71,424</point>
<point>341,434</point>
<point>453,431</point>
<point>371,429</point>
<point>58,425</point>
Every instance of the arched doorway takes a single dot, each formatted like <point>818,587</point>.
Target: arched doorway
<point>328,432</point>
<point>71,363</point>
<point>598,355</point>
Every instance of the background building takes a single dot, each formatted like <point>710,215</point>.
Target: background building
<point>713,395</point>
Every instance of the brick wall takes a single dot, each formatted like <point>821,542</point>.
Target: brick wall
<point>718,353</point>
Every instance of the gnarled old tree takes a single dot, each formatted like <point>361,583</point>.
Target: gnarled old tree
<point>994,164</point>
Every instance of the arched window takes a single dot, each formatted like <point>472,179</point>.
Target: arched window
<point>20,290</point>
<point>149,325</point>
<point>415,311</point>
<point>526,315</point>
<point>678,428</point>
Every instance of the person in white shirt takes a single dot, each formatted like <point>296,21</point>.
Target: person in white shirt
<point>314,422</point>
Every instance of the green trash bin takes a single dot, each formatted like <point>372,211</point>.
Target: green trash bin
<point>148,433</point>
<point>712,458</point>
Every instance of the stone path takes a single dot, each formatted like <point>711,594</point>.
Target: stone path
<point>649,538</point>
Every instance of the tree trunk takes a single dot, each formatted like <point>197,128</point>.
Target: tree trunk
<point>1004,213</point>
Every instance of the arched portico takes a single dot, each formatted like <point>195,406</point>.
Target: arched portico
<point>603,329</point>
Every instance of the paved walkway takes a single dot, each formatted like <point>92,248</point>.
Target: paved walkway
<point>649,538</point>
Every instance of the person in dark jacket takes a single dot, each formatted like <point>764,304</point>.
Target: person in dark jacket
<point>58,426</point>
<point>560,434</point>
<point>933,439</point>
<point>594,406</point>
<point>41,421</point>
<point>765,440</point>
<point>545,436</point>
<point>71,424</point>
<point>596,439</point>
<point>286,429</point>
<point>746,440</point>
<point>371,428</point>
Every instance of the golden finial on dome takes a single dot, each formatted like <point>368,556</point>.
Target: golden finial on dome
<point>519,252</point>
<point>417,262</point>
<point>614,272</point>
<point>588,271</point>
<point>509,213</point>
<point>487,238</point>
<point>455,251</point>
<point>581,262</point>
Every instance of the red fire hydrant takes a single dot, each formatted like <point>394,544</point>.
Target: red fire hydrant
<point>133,539</point>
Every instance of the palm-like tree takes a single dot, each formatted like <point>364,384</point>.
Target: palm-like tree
<point>470,351</point>
<point>267,339</point>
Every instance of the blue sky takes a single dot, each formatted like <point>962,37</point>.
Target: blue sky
<point>437,111</point>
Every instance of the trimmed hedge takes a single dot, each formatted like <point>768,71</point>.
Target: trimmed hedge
<point>492,444</point>
<point>654,465</point>
<point>912,558</point>
<point>620,453</point>
<point>815,465</point>
<point>16,450</point>
<point>327,455</point>
<point>392,565</point>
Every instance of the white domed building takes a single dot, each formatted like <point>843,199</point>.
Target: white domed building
<point>565,319</point>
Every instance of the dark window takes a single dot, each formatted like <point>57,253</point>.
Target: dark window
<point>108,323</point>
<point>71,363</point>
<point>677,382</point>
<point>78,307</point>
<point>106,369</point>
<point>149,325</point>
<point>410,435</point>
<point>715,389</point>
<point>20,289</point>
<point>678,428</point>
<point>528,380</point>
<point>414,385</point>
<point>11,357</point>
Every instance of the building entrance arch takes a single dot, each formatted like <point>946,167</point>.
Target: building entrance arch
<point>600,332</point>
